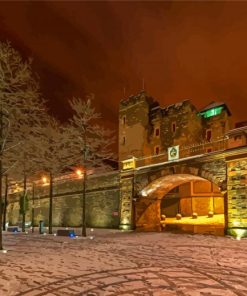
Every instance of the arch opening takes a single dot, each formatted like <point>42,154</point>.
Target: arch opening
<point>181,202</point>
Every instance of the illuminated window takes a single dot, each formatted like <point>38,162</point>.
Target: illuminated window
<point>157,132</point>
<point>212,112</point>
<point>157,150</point>
<point>208,135</point>
<point>173,127</point>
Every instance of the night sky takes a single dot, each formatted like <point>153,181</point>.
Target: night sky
<point>193,50</point>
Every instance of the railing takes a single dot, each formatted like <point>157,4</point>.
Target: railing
<point>184,152</point>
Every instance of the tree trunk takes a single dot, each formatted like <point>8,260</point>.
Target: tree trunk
<point>1,208</point>
<point>5,203</point>
<point>84,229</point>
<point>33,211</point>
<point>51,203</point>
<point>1,176</point>
<point>24,204</point>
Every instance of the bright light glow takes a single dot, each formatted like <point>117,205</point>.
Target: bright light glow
<point>238,233</point>
<point>144,193</point>
<point>125,227</point>
<point>79,173</point>
<point>125,221</point>
<point>44,179</point>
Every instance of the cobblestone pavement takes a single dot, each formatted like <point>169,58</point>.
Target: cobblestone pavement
<point>116,263</point>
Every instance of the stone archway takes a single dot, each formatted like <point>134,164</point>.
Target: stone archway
<point>147,207</point>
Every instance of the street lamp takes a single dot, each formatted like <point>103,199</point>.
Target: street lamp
<point>79,173</point>
<point>44,179</point>
<point>33,207</point>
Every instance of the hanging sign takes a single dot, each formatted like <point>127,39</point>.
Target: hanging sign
<point>173,153</point>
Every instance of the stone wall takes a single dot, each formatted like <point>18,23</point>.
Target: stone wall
<point>237,193</point>
<point>102,202</point>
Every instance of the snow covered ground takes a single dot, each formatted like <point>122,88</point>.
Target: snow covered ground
<point>120,263</point>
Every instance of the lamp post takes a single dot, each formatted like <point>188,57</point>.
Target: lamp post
<point>84,230</point>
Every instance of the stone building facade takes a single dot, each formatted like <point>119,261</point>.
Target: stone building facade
<point>210,174</point>
<point>146,128</point>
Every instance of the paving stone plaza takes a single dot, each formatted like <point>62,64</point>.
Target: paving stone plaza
<point>111,262</point>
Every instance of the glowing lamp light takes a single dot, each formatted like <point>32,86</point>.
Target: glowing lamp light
<point>125,227</point>
<point>238,233</point>
<point>79,173</point>
<point>44,179</point>
<point>144,193</point>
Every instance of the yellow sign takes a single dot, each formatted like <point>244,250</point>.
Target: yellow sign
<point>129,164</point>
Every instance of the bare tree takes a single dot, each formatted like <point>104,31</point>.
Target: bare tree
<point>89,143</point>
<point>19,97</point>
<point>27,157</point>
<point>52,155</point>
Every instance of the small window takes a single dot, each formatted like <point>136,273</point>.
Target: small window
<point>208,135</point>
<point>124,140</point>
<point>157,132</point>
<point>173,127</point>
<point>124,120</point>
<point>157,150</point>
<point>209,150</point>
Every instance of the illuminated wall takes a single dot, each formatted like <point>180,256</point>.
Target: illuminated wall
<point>102,203</point>
<point>199,197</point>
<point>237,196</point>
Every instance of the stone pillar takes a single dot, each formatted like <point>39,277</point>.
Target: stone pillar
<point>237,196</point>
<point>126,199</point>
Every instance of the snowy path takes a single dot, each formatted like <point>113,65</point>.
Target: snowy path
<point>116,263</point>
